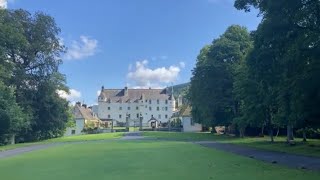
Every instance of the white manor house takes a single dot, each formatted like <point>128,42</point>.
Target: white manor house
<point>151,106</point>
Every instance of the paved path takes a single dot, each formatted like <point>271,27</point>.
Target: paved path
<point>285,159</point>
<point>17,151</point>
<point>133,136</point>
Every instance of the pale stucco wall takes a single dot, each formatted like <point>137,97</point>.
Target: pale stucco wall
<point>162,114</point>
<point>78,128</point>
<point>187,127</point>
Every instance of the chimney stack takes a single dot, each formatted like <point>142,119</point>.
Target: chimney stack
<point>84,105</point>
<point>126,91</point>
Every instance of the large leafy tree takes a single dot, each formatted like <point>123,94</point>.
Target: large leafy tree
<point>31,53</point>
<point>12,118</point>
<point>211,90</point>
<point>287,50</point>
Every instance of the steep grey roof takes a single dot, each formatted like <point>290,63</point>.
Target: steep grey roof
<point>83,113</point>
<point>186,112</point>
<point>133,95</point>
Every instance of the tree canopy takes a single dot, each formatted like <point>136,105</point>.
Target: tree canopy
<point>30,56</point>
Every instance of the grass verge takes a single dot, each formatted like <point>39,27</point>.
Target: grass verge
<point>310,148</point>
<point>88,137</point>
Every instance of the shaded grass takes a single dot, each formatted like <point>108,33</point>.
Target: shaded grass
<point>141,160</point>
<point>88,137</point>
<point>310,148</point>
<point>186,136</point>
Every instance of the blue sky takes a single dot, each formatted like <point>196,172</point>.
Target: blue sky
<point>139,43</point>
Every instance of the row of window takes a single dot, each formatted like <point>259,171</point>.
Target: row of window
<point>150,101</point>
<point>158,101</point>
<point>137,108</point>
<point>129,115</point>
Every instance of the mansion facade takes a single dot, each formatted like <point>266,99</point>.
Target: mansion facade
<point>151,106</point>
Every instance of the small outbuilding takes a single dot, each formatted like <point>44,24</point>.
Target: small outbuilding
<point>187,122</point>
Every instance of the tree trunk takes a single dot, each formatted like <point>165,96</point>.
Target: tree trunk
<point>262,131</point>
<point>278,131</point>
<point>241,131</point>
<point>304,134</point>
<point>227,130</point>
<point>13,139</point>
<point>289,133</point>
<point>271,134</point>
<point>213,129</point>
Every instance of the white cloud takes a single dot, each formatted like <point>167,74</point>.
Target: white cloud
<point>98,92</point>
<point>3,4</point>
<point>182,64</point>
<point>73,95</point>
<point>81,49</point>
<point>144,77</point>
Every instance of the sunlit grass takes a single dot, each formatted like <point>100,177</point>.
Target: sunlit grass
<point>141,160</point>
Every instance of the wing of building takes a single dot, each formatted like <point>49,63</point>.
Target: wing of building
<point>152,105</point>
<point>83,115</point>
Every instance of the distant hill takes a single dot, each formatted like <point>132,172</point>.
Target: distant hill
<point>178,89</point>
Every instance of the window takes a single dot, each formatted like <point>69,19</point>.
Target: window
<point>73,131</point>
<point>159,116</point>
<point>150,108</point>
<point>150,101</point>
<point>108,108</point>
<point>128,108</point>
<point>158,101</point>
<point>166,116</point>
<point>120,108</point>
<point>145,106</point>
<point>158,108</point>
<point>166,108</point>
<point>138,115</point>
<point>120,116</point>
<point>137,108</point>
<point>109,116</point>
<point>166,101</point>
<point>146,100</point>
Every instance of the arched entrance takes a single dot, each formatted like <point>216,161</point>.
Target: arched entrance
<point>153,123</point>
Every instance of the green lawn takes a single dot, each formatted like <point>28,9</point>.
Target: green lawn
<point>90,137</point>
<point>119,160</point>
<point>311,148</point>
